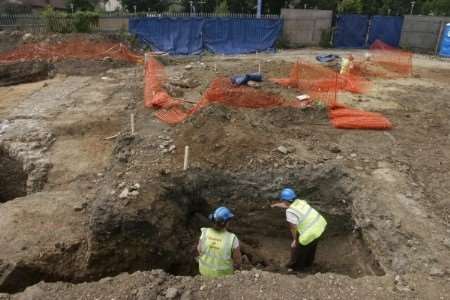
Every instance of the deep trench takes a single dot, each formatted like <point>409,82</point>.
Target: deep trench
<point>13,179</point>
<point>262,231</point>
<point>136,244</point>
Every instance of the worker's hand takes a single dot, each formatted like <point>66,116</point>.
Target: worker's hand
<point>294,244</point>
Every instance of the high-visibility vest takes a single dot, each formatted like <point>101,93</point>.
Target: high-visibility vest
<point>215,253</point>
<point>346,66</point>
<point>311,224</point>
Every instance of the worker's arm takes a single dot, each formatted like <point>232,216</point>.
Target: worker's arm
<point>199,249</point>
<point>237,258</point>
<point>294,234</point>
<point>279,204</point>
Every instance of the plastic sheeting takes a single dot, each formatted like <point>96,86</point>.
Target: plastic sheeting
<point>239,35</point>
<point>192,35</point>
<point>386,29</point>
<point>351,31</point>
<point>172,35</point>
<point>445,42</point>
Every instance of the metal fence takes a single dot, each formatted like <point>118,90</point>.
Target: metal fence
<point>33,23</point>
<point>108,22</point>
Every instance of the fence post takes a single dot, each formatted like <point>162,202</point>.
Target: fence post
<point>313,31</point>
<point>441,29</point>
<point>258,11</point>
<point>369,25</point>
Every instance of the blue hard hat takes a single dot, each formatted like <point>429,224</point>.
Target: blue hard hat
<point>222,214</point>
<point>288,194</point>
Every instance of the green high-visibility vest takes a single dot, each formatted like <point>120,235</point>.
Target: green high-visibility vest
<point>215,253</point>
<point>311,224</point>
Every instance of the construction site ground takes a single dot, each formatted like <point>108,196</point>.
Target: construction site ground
<point>90,211</point>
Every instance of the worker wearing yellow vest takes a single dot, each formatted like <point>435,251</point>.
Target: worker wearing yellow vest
<point>218,249</point>
<point>306,226</point>
<point>347,65</point>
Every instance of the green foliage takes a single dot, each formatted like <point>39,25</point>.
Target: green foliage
<point>83,21</point>
<point>176,8</point>
<point>83,5</point>
<point>350,6</point>
<point>325,38</point>
<point>61,22</point>
<point>222,8</point>
<point>436,7</point>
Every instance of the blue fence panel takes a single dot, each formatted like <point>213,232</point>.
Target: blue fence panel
<point>173,35</point>
<point>387,29</point>
<point>191,35</point>
<point>241,35</point>
<point>445,42</point>
<point>351,31</point>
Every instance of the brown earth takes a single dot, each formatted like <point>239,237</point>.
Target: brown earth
<point>123,203</point>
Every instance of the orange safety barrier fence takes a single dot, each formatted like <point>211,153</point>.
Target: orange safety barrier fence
<point>220,91</point>
<point>351,118</point>
<point>307,76</point>
<point>320,83</point>
<point>76,48</point>
<point>323,84</point>
<point>383,61</point>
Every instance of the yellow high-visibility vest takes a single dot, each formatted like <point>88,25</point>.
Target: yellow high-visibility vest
<point>346,66</point>
<point>216,253</point>
<point>311,224</point>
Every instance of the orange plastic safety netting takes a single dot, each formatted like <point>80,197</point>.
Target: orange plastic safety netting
<point>320,83</point>
<point>220,91</point>
<point>323,84</point>
<point>76,48</point>
<point>383,61</point>
<point>351,118</point>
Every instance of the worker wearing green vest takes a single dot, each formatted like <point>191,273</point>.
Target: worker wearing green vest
<point>218,249</point>
<point>306,226</point>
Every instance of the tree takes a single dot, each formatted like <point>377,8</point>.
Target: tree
<point>83,5</point>
<point>175,8</point>
<point>222,8</point>
<point>351,6</point>
<point>436,7</point>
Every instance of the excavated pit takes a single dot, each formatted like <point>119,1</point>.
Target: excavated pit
<point>13,179</point>
<point>23,72</point>
<point>165,233</point>
<point>265,239</point>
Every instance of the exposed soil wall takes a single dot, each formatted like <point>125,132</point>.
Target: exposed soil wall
<point>13,179</point>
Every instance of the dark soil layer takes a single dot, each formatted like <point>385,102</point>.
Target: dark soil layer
<point>13,179</point>
<point>262,230</point>
<point>21,72</point>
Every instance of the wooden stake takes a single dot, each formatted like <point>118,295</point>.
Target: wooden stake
<point>132,124</point>
<point>112,136</point>
<point>186,158</point>
<point>259,68</point>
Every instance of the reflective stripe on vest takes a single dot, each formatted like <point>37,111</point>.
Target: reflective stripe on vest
<point>311,224</point>
<point>216,248</point>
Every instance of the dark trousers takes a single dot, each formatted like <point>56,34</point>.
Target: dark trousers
<point>303,256</point>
